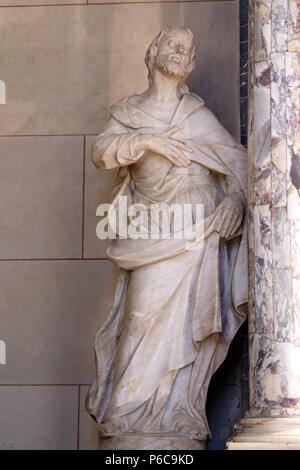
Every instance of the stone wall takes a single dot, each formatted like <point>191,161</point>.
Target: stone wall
<point>64,62</point>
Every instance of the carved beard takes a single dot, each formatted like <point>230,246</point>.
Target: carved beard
<point>171,68</point>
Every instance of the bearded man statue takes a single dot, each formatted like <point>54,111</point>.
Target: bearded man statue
<point>176,309</point>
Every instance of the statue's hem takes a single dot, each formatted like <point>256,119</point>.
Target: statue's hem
<point>151,441</point>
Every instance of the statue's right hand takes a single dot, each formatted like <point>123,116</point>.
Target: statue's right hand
<point>163,144</point>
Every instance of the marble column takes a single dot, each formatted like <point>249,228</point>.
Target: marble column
<point>273,420</point>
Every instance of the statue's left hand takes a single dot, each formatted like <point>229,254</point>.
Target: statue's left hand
<point>229,215</point>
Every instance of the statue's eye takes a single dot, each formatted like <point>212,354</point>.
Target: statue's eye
<point>173,43</point>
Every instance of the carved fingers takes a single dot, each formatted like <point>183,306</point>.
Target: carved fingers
<point>227,224</point>
<point>170,148</point>
<point>231,227</point>
<point>174,150</point>
<point>229,217</point>
<point>177,142</point>
<point>171,132</point>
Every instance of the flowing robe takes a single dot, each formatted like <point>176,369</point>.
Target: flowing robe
<point>175,310</point>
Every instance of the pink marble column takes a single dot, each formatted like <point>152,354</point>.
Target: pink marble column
<point>274,226</point>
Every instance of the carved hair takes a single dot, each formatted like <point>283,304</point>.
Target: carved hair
<point>152,53</point>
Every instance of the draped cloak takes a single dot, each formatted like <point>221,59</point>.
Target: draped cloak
<point>175,310</point>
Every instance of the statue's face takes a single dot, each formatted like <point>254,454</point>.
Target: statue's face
<point>174,52</point>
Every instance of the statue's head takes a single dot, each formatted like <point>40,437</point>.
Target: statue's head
<point>172,52</point>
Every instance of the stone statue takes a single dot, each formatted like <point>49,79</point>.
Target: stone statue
<point>175,309</point>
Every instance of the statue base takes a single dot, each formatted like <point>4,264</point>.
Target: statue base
<point>150,442</point>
